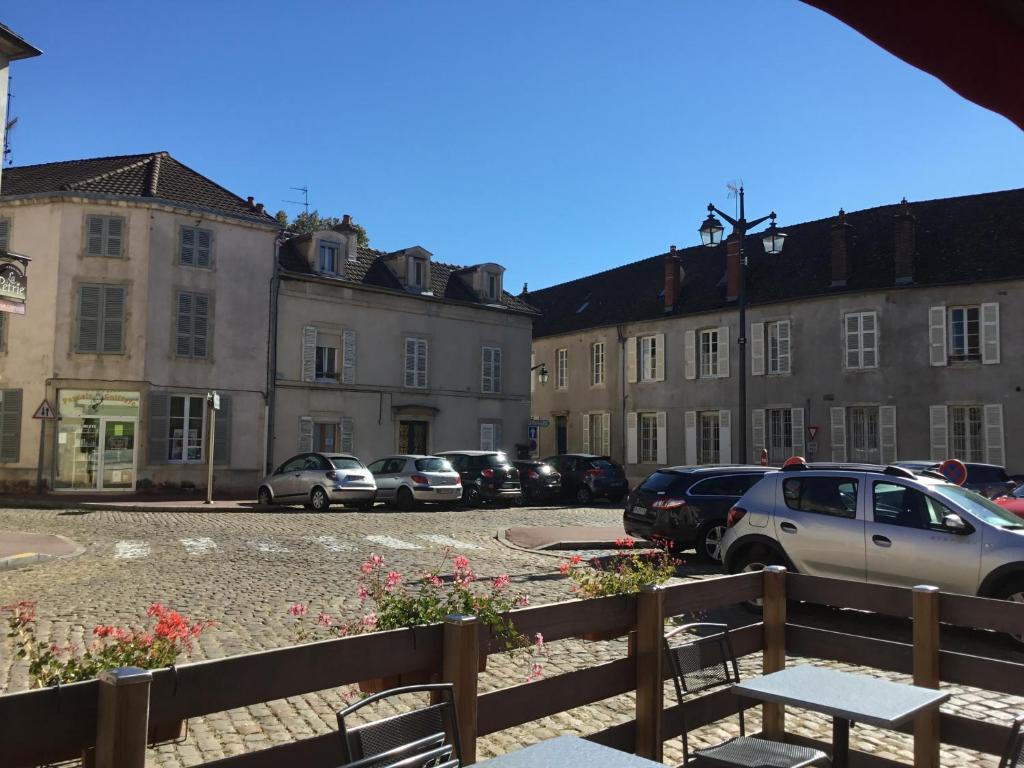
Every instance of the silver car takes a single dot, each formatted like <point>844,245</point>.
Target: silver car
<point>882,525</point>
<point>318,480</point>
<point>405,480</point>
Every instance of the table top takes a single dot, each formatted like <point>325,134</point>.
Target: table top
<point>843,694</point>
<point>568,752</point>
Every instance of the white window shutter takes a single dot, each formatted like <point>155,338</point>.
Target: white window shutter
<point>838,433</point>
<point>785,347</point>
<point>887,433</point>
<point>757,432</point>
<point>724,437</point>
<point>723,352</point>
<point>939,432</point>
<point>309,353</point>
<point>937,335</point>
<point>990,335</point>
<point>662,423</point>
<point>659,357</point>
<point>606,434</point>
<point>690,424</point>
<point>994,449</point>
<point>305,434</point>
<point>631,437</point>
<point>496,369</point>
<point>631,359</point>
<point>410,362</point>
<point>586,433</point>
<point>348,439</point>
<point>757,349</point>
<point>486,437</point>
<point>421,363</point>
<point>690,354</point>
<point>797,417</point>
<point>348,357</point>
<point>486,369</point>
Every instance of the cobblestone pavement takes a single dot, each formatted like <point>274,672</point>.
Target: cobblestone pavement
<point>243,569</point>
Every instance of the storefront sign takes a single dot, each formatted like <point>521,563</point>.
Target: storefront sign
<point>13,283</point>
<point>98,402</point>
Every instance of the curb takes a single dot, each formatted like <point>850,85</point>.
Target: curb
<point>554,548</point>
<point>23,559</point>
<point>83,507</point>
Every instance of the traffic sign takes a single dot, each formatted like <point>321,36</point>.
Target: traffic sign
<point>812,432</point>
<point>539,423</point>
<point>44,411</point>
<point>531,432</point>
<point>954,471</point>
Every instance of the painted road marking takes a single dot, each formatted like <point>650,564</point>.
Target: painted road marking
<point>331,544</point>
<point>392,542</point>
<point>447,541</point>
<point>271,547</point>
<point>131,549</point>
<point>200,546</point>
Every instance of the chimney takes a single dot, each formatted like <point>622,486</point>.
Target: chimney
<point>906,244</point>
<point>672,280</point>
<point>249,203</point>
<point>259,207</point>
<point>526,290</point>
<point>840,251</point>
<point>732,268</point>
<point>346,220</point>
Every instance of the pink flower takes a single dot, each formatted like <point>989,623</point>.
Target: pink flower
<point>369,621</point>
<point>324,619</point>
<point>575,560</point>
<point>536,673</point>
<point>564,568</point>
<point>461,563</point>
<point>362,593</point>
<point>523,599</point>
<point>538,640</point>
<point>373,562</point>
<point>436,580</point>
<point>298,610</point>
<point>501,581</point>
<point>393,579</point>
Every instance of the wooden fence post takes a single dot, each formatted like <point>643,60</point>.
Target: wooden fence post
<point>123,718</point>
<point>926,673</point>
<point>773,716</point>
<point>460,667</point>
<point>650,677</point>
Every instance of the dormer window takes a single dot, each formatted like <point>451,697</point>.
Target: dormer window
<point>417,273</point>
<point>492,285</point>
<point>329,258</point>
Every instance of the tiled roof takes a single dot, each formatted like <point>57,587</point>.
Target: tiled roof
<point>958,240</point>
<point>371,269</point>
<point>153,175</point>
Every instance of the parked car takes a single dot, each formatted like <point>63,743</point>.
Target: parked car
<point>883,525</point>
<point>539,481</point>
<point>407,479</point>
<point>318,480</point>
<point>586,477</point>
<point>486,476</point>
<point>1013,501</point>
<point>990,480</point>
<point>688,505</point>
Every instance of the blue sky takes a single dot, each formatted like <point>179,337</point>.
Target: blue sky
<point>558,139</point>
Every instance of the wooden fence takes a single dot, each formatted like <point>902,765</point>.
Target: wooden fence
<point>113,718</point>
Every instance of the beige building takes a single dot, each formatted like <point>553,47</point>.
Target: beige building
<point>12,48</point>
<point>378,353</point>
<point>149,286</point>
<point>884,334</point>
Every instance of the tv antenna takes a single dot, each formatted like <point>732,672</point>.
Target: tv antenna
<point>305,197</point>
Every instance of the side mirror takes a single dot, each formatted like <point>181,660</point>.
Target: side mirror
<point>955,524</point>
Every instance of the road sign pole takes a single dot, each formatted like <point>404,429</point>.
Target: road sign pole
<point>212,432</point>
<point>42,446</point>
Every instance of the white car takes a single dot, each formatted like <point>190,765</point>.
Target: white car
<point>407,479</point>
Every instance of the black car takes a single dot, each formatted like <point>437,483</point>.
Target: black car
<point>586,477</point>
<point>486,476</point>
<point>990,480</point>
<point>540,481</point>
<point>688,505</point>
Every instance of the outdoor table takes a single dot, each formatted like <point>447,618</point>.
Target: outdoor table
<point>568,752</point>
<point>845,696</point>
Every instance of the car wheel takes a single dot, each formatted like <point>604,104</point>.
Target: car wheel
<point>583,495</point>
<point>318,500</point>
<point>1013,591</point>
<point>754,560</point>
<point>264,497</point>
<point>471,496</point>
<point>709,542</point>
<point>404,500</point>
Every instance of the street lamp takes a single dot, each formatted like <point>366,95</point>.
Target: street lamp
<point>711,235</point>
<point>542,374</point>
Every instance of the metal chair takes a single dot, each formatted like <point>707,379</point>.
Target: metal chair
<point>704,664</point>
<point>422,738</point>
<point>1013,757</point>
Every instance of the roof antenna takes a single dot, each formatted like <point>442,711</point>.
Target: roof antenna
<point>305,198</point>
<point>734,188</point>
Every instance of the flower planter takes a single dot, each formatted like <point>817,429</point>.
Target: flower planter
<point>378,684</point>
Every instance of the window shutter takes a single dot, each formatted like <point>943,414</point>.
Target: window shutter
<point>348,356</point>
<point>796,415</point>
<point>113,319</point>
<point>631,359</point>
<point>410,362</point>
<point>222,432</point>
<point>994,452</point>
<point>937,335</point>
<point>939,432</point>
<point>990,334</point>
<point>851,333</point>
<point>496,370</point>
<point>158,427</point>
<point>757,349</point>
<point>887,433</point>
<point>204,242</point>
<point>757,433</point>
<point>115,226</point>
<point>606,429</point>
<point>421,363</point>
<point>183,325</point>
<point>659,357</point>
<point>586,433</point>
<point>89,299</point>
<point>838,433</point>
<point>785,347</point>
<point>631,437</point>
<point>200,324</point>
<point>348,434</point>
<point>486,437</point>
<point>187,254</point>
<point>94,235</point>
<point>486,369</point>
<point>497,437</point>
<point>690,354</point>
<point>723,352</point>
<point>5,234</point>
<point>725,437</point>
<point>305,434</point>
<point>690,423</point>
<point>10,425</point>
<point>662,423</point>
<point>309,354</point>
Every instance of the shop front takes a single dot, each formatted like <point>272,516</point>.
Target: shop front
<point>96,440</point>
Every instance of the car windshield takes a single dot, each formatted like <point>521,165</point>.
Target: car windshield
<point>345,462</point>
<point>983,509</point>
<point>659,482</point>
<point>980,473</point>
<point>433,464</point>
<point>605,464</point>
<point>1018,492</point>
<point>495,460</point>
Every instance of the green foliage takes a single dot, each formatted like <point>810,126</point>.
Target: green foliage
<point>621,574</point>
<point>312,221</point>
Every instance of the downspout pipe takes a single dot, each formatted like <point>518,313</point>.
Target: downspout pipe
<point>275,289</point>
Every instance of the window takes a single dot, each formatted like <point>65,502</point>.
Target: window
<point>5,234</point>
<point>561,368</point>
<point>596,437</point>
<point>779,422</point>
<point>325,437</point>
<point>329,258</point>
<point>863,426</point>
<point>709,353</point>
<point>492,286</point>
<point>490,373</point>
<point>597,364</point>
<point>648,358</point>
<point>895,504</point>
<point>326,363</point>
<point>10,425</point>
<point>194,247</point>
<point>708,437</point>
<point>100,319</point>
<point>861,340</point>
<point>778,347</point>
<point>648,426</point>
<point>964,334</point>
<point>835,496</point>
<point>968,442</point>
<point>104,235</point>
<point>724,485</point>
<point>192,325</point>
<point>186,430</point>
<point>417,273</point>
<point>490,436</point>
<point>416,363</point>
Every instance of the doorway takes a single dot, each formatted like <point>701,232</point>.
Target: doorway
<point>561,434</point>
<point>413,437</point>
<point>96,454</point>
